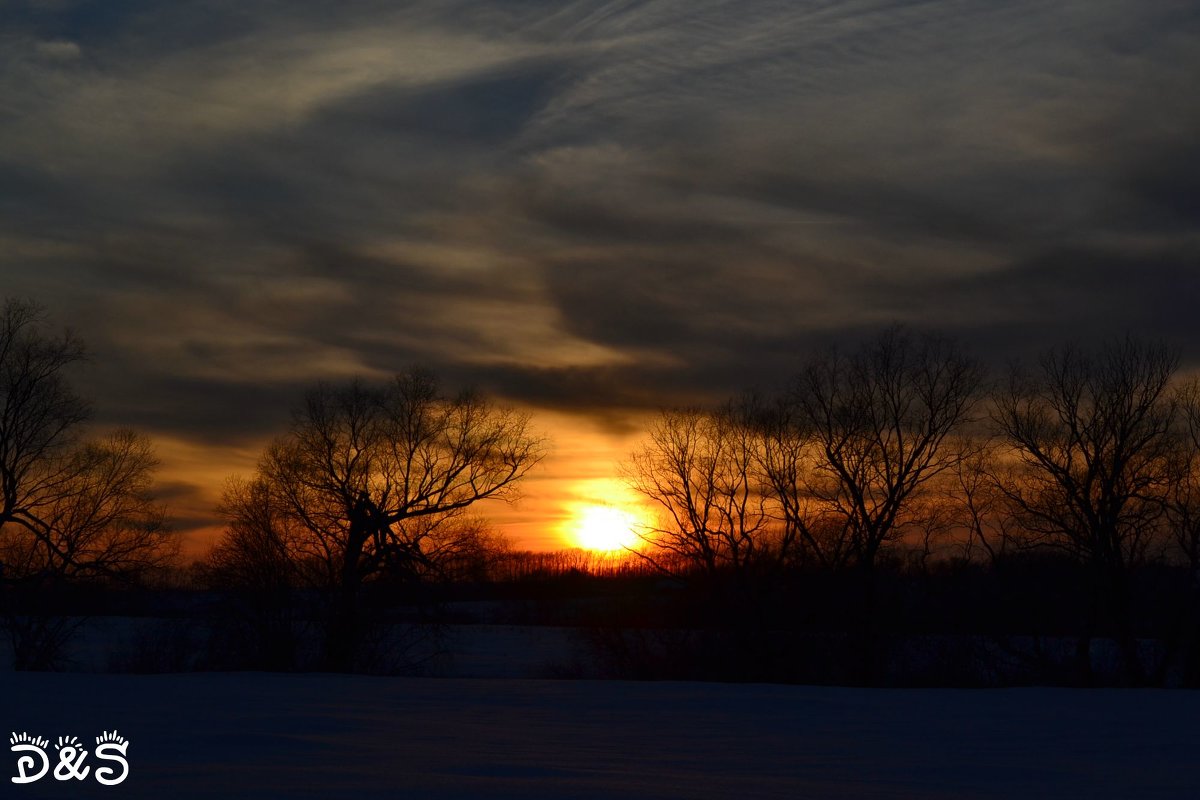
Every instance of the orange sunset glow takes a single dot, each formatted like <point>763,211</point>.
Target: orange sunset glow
<point>604,515</point>
<point>556,211</point>
<point>628,399</point>
<point>574,498</point>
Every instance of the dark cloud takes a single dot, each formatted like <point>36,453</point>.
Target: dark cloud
<point>591,207</point>
<point>1163,186</point>
<point>208,411</point>
<point>481,112</point>
<point>1084,295</point>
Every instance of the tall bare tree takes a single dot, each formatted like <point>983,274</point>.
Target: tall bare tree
<point>978,506</point>
<point>1183,506</point>
<point>367,479</point>
<point>40,414</point>
<point>859,438</point>
<point>698,468</point>
<point>1091,437</point>
<point>70,508</point>
<point>101,522</point>
<point>1183,512</point>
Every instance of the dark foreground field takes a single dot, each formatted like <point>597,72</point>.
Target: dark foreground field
<point>264,735</point>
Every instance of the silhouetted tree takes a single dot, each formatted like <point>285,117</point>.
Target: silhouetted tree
<point>261,564</point>
<point>698,468</point>
<point>1091,438</point>
<point>855,443</point>
<point>368,480</point>
<point>460,548</point>
<point>529,565</point>
<point>41,414</point>
<point>1183,513</point>
<point>1183,505</point>
<point>101,520</point>
<point>978,504</point>
<point>70,509</point>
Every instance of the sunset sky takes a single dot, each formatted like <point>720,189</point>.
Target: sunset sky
<point>588,209</point>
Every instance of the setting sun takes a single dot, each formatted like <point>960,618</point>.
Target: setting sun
<point>602,514</point>
<point>599,527</point>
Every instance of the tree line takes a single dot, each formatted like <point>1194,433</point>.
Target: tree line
<point>370,482</point>
<point>903,445</point>
<point>1090,452</point>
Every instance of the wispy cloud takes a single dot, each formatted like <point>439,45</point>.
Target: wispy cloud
<point>591,206</point>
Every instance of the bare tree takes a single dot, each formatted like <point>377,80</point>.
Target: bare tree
<point>257,568</point>
<point>856,443</point>
<point>102,521</point>
<point>1183,512</point>
<point>69,509</point>
<point>1093,451</point>
<point>369,478</point>
<point>1092,438</point>
<point>698,468</point>
<point>260,545</point>
<point>978,504</point>
<point>1183,506</point>
<point>40,415</point>
<point>461,548</point>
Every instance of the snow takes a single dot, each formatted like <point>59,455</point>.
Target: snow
<point>123,644</point>
<point>316,735</point>
<point>510,651</point>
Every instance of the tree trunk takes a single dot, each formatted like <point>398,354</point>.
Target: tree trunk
<point>344,627</point>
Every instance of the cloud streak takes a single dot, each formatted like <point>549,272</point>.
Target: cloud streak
<point>593,207</point>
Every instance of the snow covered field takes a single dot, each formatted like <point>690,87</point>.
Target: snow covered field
<point>309,736</point>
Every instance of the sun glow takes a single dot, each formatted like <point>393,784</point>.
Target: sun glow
<point>599,527</point>
<point>603,515</point>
